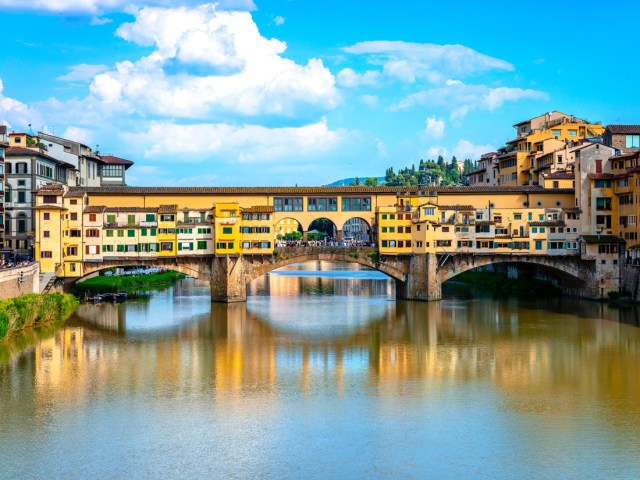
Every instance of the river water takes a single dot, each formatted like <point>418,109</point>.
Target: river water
<point>321,374</point>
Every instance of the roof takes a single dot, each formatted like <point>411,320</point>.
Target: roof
<point>624,129</point>
<point>113,160</point>
<point>27,151</point>
<point>561,175</point>
<point>266,191</point>
<point>74,195</point>
<point>94,209</point>
<point>625,155</point>
<point>259,209</point>
<point>168,209</point>
<point>547,223</point>
<point>474,172</point>
<point>130,209</point>
<point>602,239</point>
<point>456,207</point>
<point>50,207</point>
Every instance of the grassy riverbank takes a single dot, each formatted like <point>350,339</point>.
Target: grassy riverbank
<point>34,310</point>
<point>105,284</point>
<point>500,281</point>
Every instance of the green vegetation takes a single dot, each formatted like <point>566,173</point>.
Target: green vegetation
<point>501,281</point>
<point>34,310</point>
<point>430,172</point>
<point>105,284</point>
<point>290,237</point>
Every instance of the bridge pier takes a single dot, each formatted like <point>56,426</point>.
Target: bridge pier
<point>422,281</point>
<point>228,283</point>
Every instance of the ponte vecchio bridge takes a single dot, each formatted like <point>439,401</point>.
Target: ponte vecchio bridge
<point>421,237</point>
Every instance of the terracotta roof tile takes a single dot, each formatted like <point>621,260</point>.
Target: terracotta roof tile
<point>601,239</point>
<point>94,209</point>
<point>168,209</point>
<point>547,223</point>
<point>561,175</point>
<point>50,207</point>
<point>258,209</point>
<point>426,191</point>
<point>113,160</point>
<point>133,210</point>
<point>624,129</point>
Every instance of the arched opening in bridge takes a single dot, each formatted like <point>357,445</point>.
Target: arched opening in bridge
<point>322,230</point>
<point>358,230</point>
<point>520,278</point>
<point>288,230</point>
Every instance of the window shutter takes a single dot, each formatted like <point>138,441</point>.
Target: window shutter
<point>86,249</point>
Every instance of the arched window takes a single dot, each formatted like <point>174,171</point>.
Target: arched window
<point>22,223</point>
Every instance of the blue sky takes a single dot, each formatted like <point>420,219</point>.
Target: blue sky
<point>250,92</point>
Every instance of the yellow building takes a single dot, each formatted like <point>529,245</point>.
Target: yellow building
<point>227,223</point>
<point>538,137</point>
<point>167,236</point>
<point>257,229</point>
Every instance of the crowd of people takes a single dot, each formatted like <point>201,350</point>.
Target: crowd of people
<point>323,243</point>
<point>7,263</point>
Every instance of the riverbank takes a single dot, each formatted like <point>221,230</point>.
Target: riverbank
<point>33,311</point>
<point>109,284</point>
<point>500,281</point>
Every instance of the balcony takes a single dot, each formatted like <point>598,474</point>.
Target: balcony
<point>227,221</point>
<point>148,224</point>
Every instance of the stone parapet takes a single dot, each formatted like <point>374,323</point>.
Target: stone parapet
<point>19,281</point>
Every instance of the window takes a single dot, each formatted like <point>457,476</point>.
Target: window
<point>73,202</point>
<point>202,244</point>
<point>517,216</point>
<point>322,204</point>
<point>46,216</point>
<point>150,217</point>
<point>167,218</point>
<point>633,141</point>
<point>287,204</point>
<point>49,199</point>
<point>92,249</point>
<point>227,230</point>
<point>111,219</point>
<point>92,217</point>
<point>109,233</point>
<point>384,216</point>
<point>71,251</point>
<point>46,234</point>
<point>573,133</point>
<point>131,233</point>
<point>112,170</point>
<point>22,197</point>
<point>107,248</point>
<point>428,211</point>
<point>356,204</point>
<point>131,220</point>
<point>93,233</point>
<point>221,245</point>
<point>556,133</point>
<point>74,216</point>
<point>45,254</point>
<point>166,246</point>
<point>538,244</point>
<point>121,233</point>
<point>246,244</point>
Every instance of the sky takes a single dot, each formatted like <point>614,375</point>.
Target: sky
<point>300,92</point>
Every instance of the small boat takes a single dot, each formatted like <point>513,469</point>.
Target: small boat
<point>120,296</point>
<point>107,296</point>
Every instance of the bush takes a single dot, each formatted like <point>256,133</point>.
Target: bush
<point>33,310</point>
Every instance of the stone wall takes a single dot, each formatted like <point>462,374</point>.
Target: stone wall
<point>11,286</point>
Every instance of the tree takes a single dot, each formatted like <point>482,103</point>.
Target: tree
<point>441,164</point>
<point>371,181</point>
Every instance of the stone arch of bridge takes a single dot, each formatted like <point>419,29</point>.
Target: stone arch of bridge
<point>321,223</point>
<point>396,273</point>
<point>568,271</point>
<point>197,269</point>
<point>369,233</point>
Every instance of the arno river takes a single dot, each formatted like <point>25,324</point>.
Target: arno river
<point>321,374</point>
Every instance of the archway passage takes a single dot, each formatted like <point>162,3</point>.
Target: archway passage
<point>288,230</point>
<point>358,230</point>
<point>322,230</point>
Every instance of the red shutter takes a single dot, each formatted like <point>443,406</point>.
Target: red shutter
<point>98,247</point>
<point>86,249</point>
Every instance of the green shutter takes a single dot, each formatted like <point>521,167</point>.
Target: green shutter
<point>143,232</point>
<point>153,232</point>
<point>131,233</point>
<point>150,217</point>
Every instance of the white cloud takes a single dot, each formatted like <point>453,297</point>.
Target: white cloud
<point>348,78</point>
<point>370,100</point>
<point>461,98</point>
<point>210,62</point>
<point>434,152</point>
<point>466,149</point>
<point>81,135</point>
<point>238,144</point>
<point>435,127</point>
<point>97,21</point>
<point>278,20</point>
<point>94,7</point>
<point>411,62</point>
<point>15,113</point>
<point>82,73</point>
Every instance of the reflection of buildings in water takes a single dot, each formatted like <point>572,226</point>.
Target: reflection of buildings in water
<point>529,354</point>
<point>108,316</point>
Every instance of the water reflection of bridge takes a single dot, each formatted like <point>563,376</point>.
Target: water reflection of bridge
<point>231,352</point>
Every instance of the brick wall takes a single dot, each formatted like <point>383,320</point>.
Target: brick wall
<point>10,286</point>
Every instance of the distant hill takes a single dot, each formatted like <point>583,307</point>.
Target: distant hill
<point>347,181</point>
